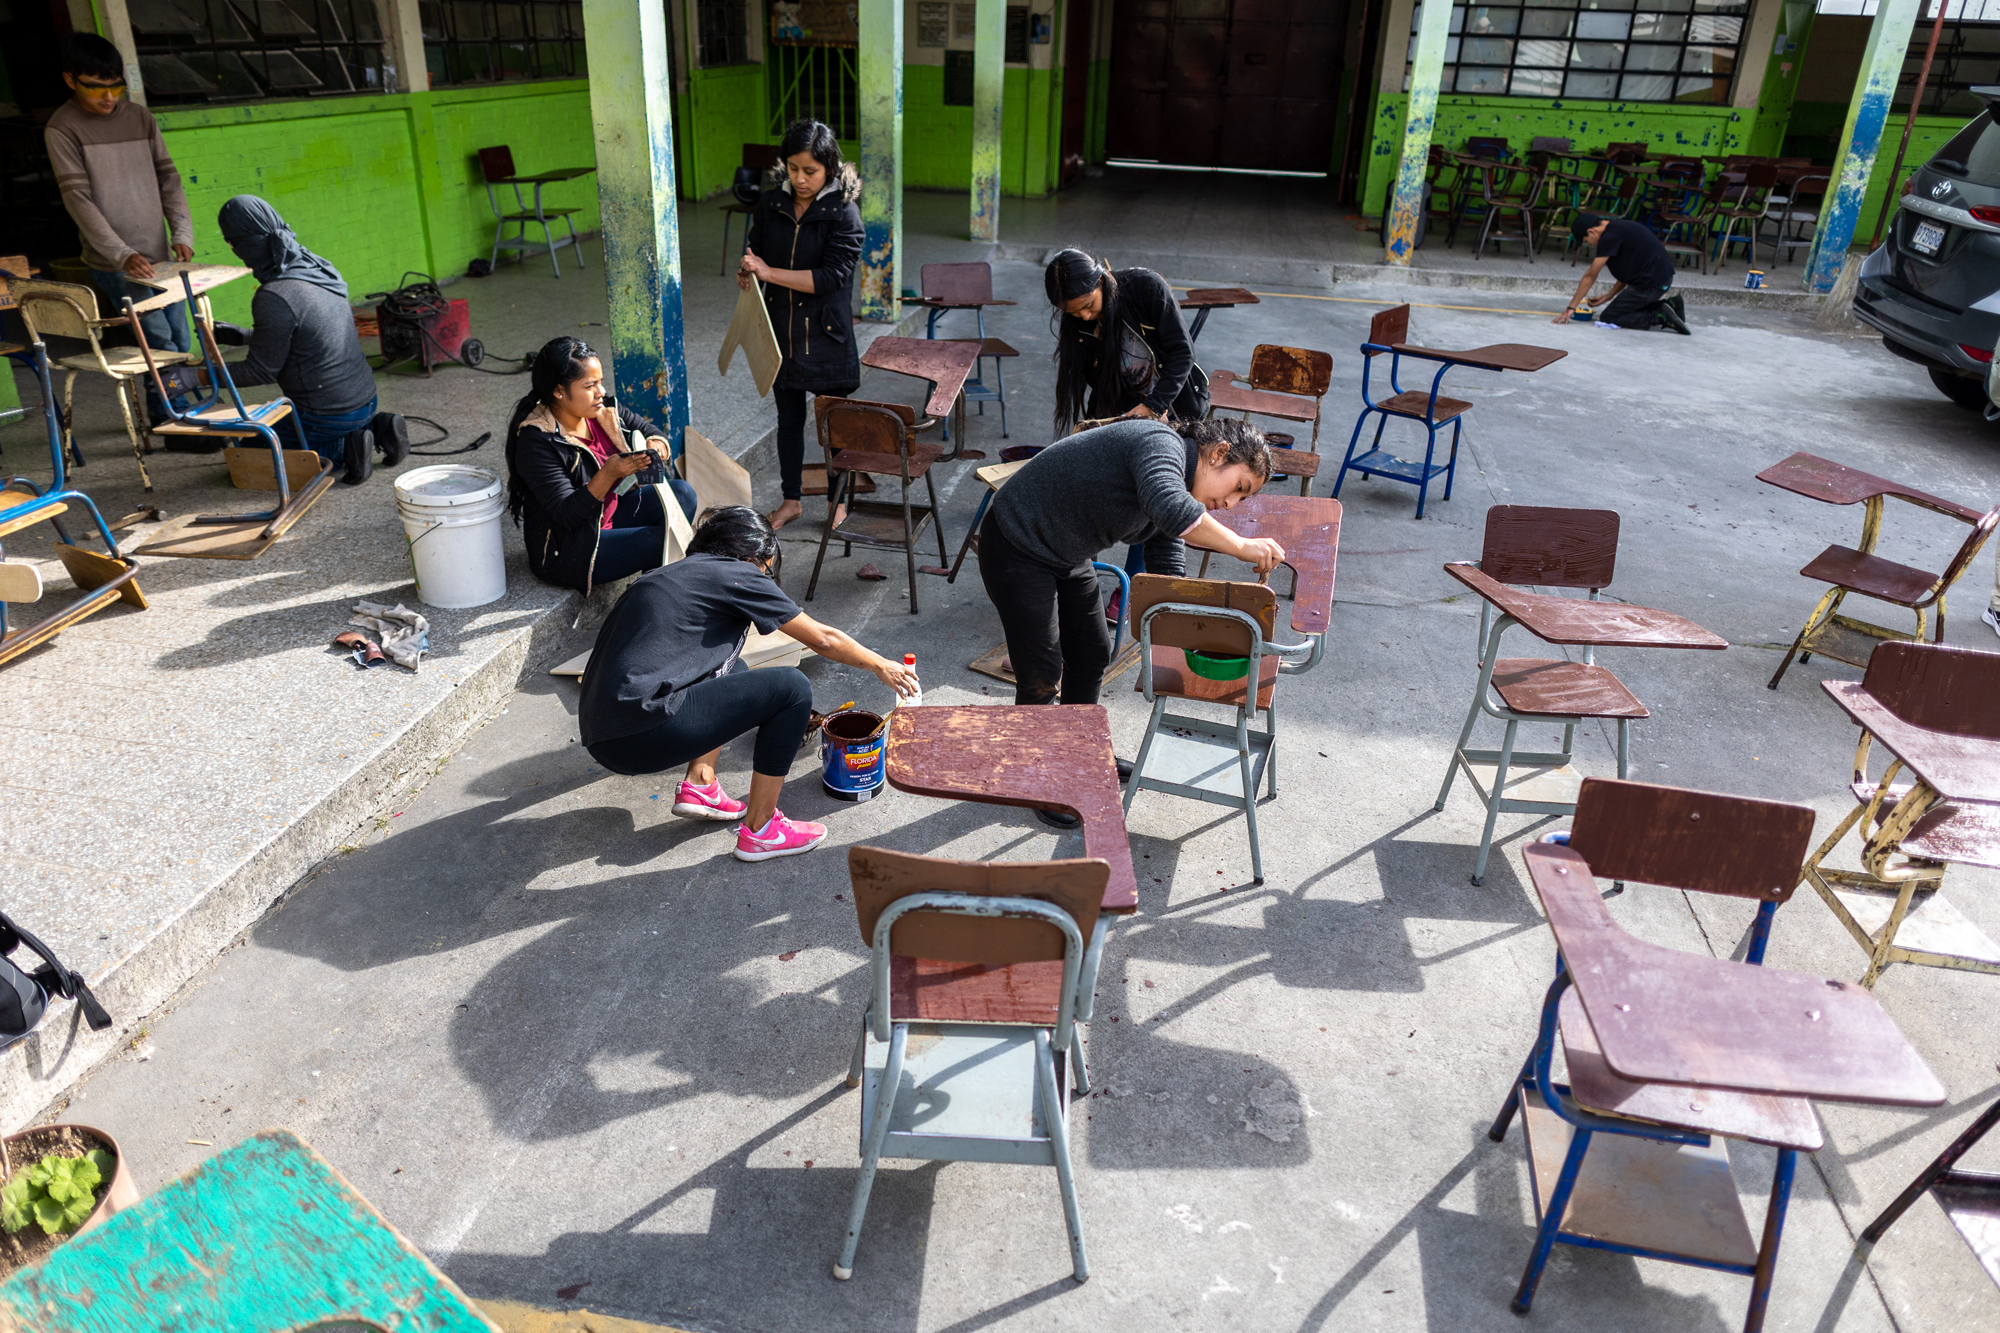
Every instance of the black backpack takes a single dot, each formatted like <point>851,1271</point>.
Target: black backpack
<point>24,996</point>
<point>748,186</point>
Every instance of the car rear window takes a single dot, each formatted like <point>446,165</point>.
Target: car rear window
<point>1973,153</point>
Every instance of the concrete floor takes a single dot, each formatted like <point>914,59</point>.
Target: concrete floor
<point>580,1056</point>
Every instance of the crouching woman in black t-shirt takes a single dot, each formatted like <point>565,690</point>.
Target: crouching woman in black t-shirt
<point>666,683</point>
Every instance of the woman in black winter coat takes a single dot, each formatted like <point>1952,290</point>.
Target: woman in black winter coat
<point>567,457</point>
<point>803,242</point>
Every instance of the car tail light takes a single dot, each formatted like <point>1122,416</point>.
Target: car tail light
<point>1987,213</point>
<point>1908,186</point>
<point>1983,355</point>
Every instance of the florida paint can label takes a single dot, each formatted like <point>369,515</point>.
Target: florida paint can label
<point>851,755</point>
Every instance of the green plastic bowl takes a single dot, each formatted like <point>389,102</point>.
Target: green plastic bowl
<point>1210,667</point>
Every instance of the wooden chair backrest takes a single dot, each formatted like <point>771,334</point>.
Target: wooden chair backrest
<point>958,283</point>
<point>1210,634</point>
<point>1953,690</point>
<point>57,309</point>
<point>1488,146</point>
<point>1760,175</point>
<point>1291,370</point>
<point>1389,327</point>
<point>1695,840</point>
<point>761,157</point>
<point>1625,153</point>
<point>1554,548</point>
<point>1543,143</point>
<point>856,423</point>
<point>881,876</point>
<point>496,163</point>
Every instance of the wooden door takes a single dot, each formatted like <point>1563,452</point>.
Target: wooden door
<point>1076,88</point>
<point>1231,83</point>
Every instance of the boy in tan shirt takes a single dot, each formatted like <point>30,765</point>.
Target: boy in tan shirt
<point>119,185</point>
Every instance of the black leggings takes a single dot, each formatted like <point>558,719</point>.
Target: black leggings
<point>776,701</point>
<point>1054,619</point>
<point>791,439</point>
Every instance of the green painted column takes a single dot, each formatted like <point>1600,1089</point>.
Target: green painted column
<point>881,33</point>
<point>989,45</point>
<point>632,122</point>
<point>1406,201</point>
<point>1874,88</point>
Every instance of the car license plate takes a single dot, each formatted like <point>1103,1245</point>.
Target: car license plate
<point>1927,238</point>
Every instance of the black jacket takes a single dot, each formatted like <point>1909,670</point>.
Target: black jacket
<point>560,517</point>
<point>815,331</point>
<point>1152,331</point>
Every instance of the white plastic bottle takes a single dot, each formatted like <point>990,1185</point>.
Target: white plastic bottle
<point>916,696</point>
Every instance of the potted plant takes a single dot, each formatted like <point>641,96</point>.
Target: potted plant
<point>57,1181</point>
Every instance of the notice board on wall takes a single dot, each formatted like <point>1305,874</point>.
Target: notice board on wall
<point>815,22</point>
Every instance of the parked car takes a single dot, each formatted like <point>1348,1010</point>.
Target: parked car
<point>1933,287</point>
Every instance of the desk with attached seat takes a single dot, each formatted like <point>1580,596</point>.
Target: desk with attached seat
<point>1937,711</point>
<point>1387,333</point>
<point>1858,569</point>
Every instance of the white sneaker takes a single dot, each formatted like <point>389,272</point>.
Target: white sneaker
<point>1991,617</point>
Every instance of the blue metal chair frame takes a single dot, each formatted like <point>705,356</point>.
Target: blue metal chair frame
<point>1256,751</point>
<point>1054,1046</point>
<point>1379,462</point>
<point>976,389</point>
<point>237,416</point>
<point>44,503</point>
<point>1536,1076</point>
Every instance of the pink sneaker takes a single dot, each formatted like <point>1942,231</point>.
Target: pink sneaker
<point>780,837</point>
<point>710,802</point>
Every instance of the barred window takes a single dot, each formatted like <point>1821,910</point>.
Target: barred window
<point>1601,50</point>
<point>245,50</point>
<point>723,33</point>
<point>487,41</point>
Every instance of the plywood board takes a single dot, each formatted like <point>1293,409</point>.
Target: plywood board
<point>717,478</point>
<point>90,571</point>
<point>250,468</point>
<point>750,329</point>
<point>19,582</point>
<point>234,541</point>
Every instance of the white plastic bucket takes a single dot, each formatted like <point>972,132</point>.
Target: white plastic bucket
<point>451,515</point>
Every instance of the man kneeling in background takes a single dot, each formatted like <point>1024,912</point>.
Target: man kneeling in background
<point>1643,298</point>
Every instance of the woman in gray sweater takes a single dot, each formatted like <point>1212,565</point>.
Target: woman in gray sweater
<point>304,341</point>
<point>1133,482</point>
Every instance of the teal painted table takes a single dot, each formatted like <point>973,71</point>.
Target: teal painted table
<point>263,1238</point>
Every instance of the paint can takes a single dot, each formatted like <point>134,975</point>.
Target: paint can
<point>1583,314</point>
<point>1753,280</point>
<point>851,755</point>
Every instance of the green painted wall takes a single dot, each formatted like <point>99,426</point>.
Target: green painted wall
<point>380,185</point>
<point>1706,129</point>
<point>724,109</point>
<point>1781,83</point>
<point>937,139</point>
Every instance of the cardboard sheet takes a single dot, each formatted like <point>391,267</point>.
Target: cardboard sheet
<point>750,329</point>
<point>717,478</point>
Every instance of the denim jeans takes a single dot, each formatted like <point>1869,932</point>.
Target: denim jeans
<point>166,330</point>
<point>327,435</point>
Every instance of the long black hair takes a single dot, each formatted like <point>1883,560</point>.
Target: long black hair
<point>806,135</point>
<point>736,531</point>
<point>558,364</point>
<point>1071,274</point>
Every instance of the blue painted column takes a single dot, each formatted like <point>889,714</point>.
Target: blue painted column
<point>879,296</point>
<point>631,99</point>
<point>989,42</point>
<point>1881,66</point>
<point>1406,201</point>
